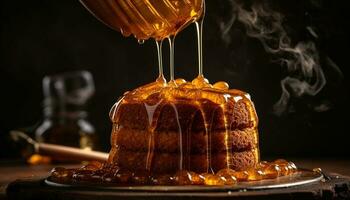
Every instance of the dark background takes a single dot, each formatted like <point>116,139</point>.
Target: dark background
<point>40,38</point>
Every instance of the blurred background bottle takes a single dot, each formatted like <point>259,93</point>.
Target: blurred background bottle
<point>146,19</point>
<point>65,117</point>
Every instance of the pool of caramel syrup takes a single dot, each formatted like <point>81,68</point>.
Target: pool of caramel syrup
<point>96,173</point>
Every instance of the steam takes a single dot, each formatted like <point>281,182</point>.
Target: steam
<point>302,61</point>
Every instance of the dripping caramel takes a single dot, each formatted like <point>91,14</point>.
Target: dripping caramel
<point>198,121</point>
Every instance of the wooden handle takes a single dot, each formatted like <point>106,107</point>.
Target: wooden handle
<point>70,153</point>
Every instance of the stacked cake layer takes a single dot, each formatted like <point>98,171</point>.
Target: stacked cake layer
<point>165,136</point>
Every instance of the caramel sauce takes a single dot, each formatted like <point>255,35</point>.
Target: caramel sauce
<point>106,174</point>
<point>163,20</point>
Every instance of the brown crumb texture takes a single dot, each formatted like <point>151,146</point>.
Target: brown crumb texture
<point>163,163</point>
<point>196,143</point>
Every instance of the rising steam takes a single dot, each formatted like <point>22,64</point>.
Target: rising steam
<point>305,74</point>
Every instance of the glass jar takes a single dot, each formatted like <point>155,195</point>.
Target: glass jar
<point>65,117</point>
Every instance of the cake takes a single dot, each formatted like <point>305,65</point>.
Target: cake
<point>180,133</point>
<point>163,129</point>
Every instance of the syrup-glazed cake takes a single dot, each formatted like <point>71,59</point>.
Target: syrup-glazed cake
<point>164,128</point>
<point>180,133</point>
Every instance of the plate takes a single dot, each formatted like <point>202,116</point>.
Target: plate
<point>302,177</point>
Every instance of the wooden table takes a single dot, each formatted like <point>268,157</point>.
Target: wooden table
<point>11,172</point>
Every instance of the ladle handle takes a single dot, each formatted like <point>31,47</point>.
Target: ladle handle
<point>70,153</point>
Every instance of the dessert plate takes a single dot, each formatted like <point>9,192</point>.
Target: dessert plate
<point>302,177</point>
